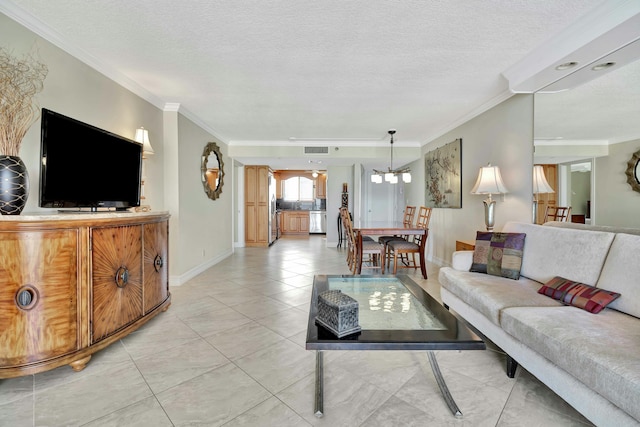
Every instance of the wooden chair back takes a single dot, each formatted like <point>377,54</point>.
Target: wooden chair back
<point>409,214</point>
<point>557,213</point>
<point>424,216</point>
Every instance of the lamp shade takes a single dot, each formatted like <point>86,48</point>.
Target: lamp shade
<point>489,181</point>
<point>142,136</point>
<point>540,183</point>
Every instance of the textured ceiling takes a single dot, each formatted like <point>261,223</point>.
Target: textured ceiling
<point>332,70</point>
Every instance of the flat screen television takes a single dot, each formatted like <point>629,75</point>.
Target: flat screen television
<point>83,166</point>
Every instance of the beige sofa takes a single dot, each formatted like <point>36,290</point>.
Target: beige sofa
<point>590,360</point>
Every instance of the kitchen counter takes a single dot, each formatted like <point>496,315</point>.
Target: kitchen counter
<point>301,210</point>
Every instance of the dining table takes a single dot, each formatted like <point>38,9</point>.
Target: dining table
<point>389,228</point>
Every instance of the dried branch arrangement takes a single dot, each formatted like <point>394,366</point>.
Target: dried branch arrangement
<point>20,80</point>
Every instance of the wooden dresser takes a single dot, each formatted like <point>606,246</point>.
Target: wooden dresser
<point>465,245</point>
<point>71,284</point>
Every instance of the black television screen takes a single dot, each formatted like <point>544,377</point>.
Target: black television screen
<point>83,166</point>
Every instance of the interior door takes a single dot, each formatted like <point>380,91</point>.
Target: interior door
<point>381,201</point>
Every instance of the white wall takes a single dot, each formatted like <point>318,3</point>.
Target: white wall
<point>336,176</point>
<point>502,136</point>
<point>616,204</point>
<point>580,192</point>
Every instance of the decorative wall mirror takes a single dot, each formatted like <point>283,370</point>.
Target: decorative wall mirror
<point>594,122</point>
<point>212,169</point>
<point>633,171</point>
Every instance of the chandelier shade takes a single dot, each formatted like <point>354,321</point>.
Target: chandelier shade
<point>391,175</point>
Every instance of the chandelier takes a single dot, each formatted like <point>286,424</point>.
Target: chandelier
<point>391,175</point>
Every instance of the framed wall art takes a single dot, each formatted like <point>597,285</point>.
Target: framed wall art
<point>443,176</point>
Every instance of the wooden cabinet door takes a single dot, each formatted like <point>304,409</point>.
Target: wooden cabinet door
<point>262,227</point>
<point>155,287</point>
<point>304,223</point>
<point>292,222</point>
<point>256,223</point>
<point>250,204</point>
<point>117,278</point>
<point>40,266</point>
<point>321,186</point>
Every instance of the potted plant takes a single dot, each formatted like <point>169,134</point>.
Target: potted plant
<point>20,80</point>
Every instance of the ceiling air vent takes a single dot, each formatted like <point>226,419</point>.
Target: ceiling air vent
<point>316,150</point>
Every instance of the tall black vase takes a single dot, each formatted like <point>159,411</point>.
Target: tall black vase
<point>14,185</point>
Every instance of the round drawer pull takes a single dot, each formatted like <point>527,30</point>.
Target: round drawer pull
<point>157,263</point>
<point>27,297</point>
<point>122,277</point>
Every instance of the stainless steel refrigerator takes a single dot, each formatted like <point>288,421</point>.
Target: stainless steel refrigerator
<point>273,224</point>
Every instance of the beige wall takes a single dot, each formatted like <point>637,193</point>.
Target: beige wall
<point>206,228</point>
<point>200,228</point>
<point>616,203</point>
<point>502,136</point>
<point>76,90</point>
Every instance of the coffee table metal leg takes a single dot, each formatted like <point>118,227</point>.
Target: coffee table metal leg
<point>443,386</point>
<point>319,400</point>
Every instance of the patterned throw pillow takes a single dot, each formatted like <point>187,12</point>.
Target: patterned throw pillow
<point>578,294</point>
<point>498,254</point>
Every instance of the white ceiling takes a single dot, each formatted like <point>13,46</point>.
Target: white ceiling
<point>333,71</point>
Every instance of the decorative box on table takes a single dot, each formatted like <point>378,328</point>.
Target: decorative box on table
<point>338,313</point>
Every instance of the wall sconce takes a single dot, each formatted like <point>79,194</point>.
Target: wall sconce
<point>142,136</point>
<point>489,182</point>
<point>540,186</point>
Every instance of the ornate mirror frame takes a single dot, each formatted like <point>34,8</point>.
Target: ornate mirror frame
<point>212,193</point>
<point>633,171</point>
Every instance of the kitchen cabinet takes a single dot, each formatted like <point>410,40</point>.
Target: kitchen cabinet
<point>256,206</point>
<point>295,222</point>
<point>321,186</point>
<point>278,177</point>
<point>71,285</point>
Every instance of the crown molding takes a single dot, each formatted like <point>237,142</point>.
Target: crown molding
<point>496,100</point>
<point>171,107</point>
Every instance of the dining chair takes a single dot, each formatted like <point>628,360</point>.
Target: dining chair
<point>557,213</point>
<point>370,248</point>
<point>344,215</point>
<point>407,221</point>
<point>411,246</point>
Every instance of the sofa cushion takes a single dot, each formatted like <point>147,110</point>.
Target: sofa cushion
<point>578,294</point>
<point>553,251</point>
<point>498,254</point>
<point>602,351</point>
<point>621,273</point>
<point>490,294</point>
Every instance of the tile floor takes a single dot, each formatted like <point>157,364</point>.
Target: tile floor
<point>230,351</point>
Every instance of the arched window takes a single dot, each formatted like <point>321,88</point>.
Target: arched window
<point>298,188</point>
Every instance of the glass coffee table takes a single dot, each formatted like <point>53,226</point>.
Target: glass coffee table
<point>394,314</point>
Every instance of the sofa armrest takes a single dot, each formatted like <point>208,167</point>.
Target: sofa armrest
<point>462,260</point>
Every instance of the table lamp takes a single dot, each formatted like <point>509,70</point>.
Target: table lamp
<point>489,182</point>
<point>540,185</point>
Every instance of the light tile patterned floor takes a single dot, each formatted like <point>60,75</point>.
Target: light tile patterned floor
<point>230,351</point>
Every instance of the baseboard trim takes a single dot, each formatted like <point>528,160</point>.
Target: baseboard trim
<point>178,280</point>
